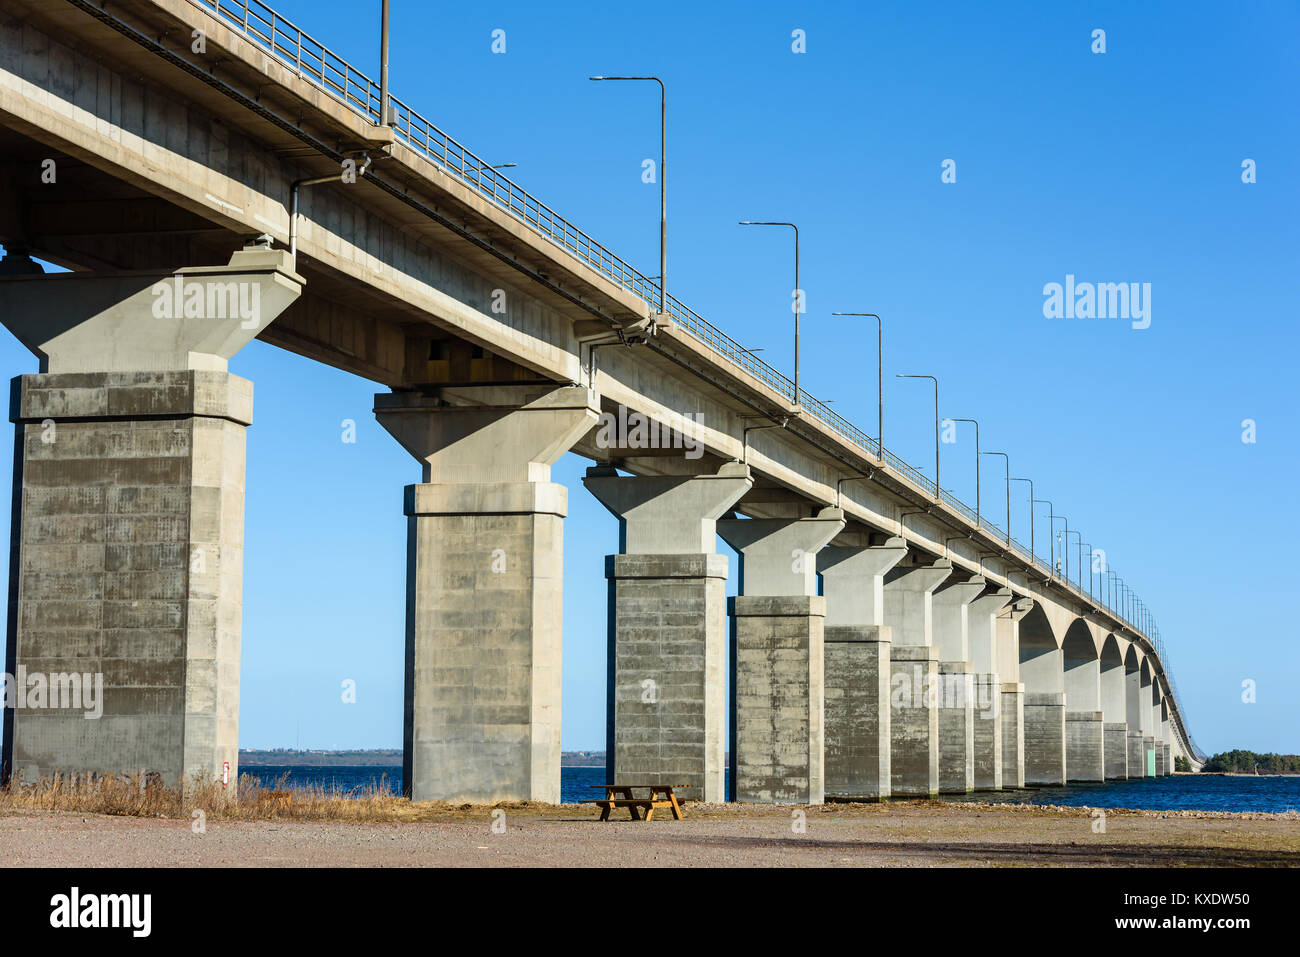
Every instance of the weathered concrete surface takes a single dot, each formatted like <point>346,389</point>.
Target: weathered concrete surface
<point>982,616</point>
<point>857,713</point>
<point>956,727</point>
<point>665,701</point>
<point>1085,746</point>
<point>777,753</point>
<point>128,535</point>
<point>667,660</point>
<point>1169,761</point>
<point>128,551</point>
<point>857,668</point>
<point>987,733</point>
<point>1116,764</point>
<point>1137,761</point>
<point>1013,735</point>
<point>950,602</point>
<point>914,721</point>
<point>485,566</point>
<point>1044,738</point>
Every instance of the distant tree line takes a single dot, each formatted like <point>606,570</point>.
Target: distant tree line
<point>1181,763</point>
<point>1247,762</point>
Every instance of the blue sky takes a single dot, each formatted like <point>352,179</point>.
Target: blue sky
<point>1124,166</point>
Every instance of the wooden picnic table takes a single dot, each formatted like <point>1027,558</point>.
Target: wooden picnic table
<point>620,795</point>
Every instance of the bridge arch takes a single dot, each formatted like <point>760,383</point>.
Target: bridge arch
<point>1133,689</point>
<point>1112,681</point>
<point>1082,667</point>
<point>1041,668</point>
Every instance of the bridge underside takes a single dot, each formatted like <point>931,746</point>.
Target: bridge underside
<point>898,675</point>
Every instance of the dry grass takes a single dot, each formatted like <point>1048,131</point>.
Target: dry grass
<point>139,795</point>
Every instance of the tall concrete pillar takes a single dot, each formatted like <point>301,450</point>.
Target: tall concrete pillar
<point>666,710</point>
<point>128,514</point>
<point>987,734</point>
<point>1042,669</point>
<point>1166,736</point>
<point>1133,714</point>
<point>914,680</point>
<point>1115,728</point>
<point>857,668</point>
<point>1085,734</point>
<point>777,633</point>
<point>1012,704</point>
<point>485,558</point>
<point>950,604</point>
<point>1148,722</point>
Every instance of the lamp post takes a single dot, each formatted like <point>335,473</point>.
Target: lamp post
<point>1007,460</point>
<point>663,184</point>
<point>1032,553</point>
<point>798,297</point>
<point>880,376</point>
<point>977,468</point>
<point>1089,544</point>
<point>1078,573</point>
<point>938,495</point>
<point>1051,535</point>
<point>383,64</point>
<point>1065,550</point>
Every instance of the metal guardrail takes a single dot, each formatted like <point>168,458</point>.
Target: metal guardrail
<point>316,63</point>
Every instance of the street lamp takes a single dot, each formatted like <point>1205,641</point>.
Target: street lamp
<point>663,185</point>
<point>1006,459</point>
<point>977,468</point>
<point>902,375</point>
<point>880,376</point>
<point>1078,574</point>
<point>1012,478</point>
<point>1051,535</point>
<point>1089,544</point>
<point>798,297</point>
<point>1065,550</point>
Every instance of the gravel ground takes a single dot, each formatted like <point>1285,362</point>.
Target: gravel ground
<point>836,835</point>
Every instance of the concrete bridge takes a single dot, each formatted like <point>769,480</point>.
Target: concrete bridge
<point>885,641</point>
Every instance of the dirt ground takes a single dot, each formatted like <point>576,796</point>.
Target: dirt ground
<point>834,835</point>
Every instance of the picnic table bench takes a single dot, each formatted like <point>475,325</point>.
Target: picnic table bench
<point>620,795</point>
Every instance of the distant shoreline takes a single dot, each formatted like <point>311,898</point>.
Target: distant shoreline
<point>372,757</point>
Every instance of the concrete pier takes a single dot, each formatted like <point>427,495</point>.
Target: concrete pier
<point>1007,637</point>
<point>857,668</point>
<point>1085,739</point>
<point>956,727</point>
<point>666,707</point>
<point>128,514</point>
<point>987,737</point>
<point>1113,710</point>
<point>914,721</point>
<point>1169,760</point>
<point>914,685</point>
<point>1137,760</point>
<point>1045,754</point>
<point>1116,762</point>
<point>485,556</point>
<point>777,636</point>
<point>1085,746</point>
<point>950,604</point>
<point>1012,706</point>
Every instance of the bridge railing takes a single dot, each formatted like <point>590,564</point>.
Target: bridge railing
<point>316,63</point>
